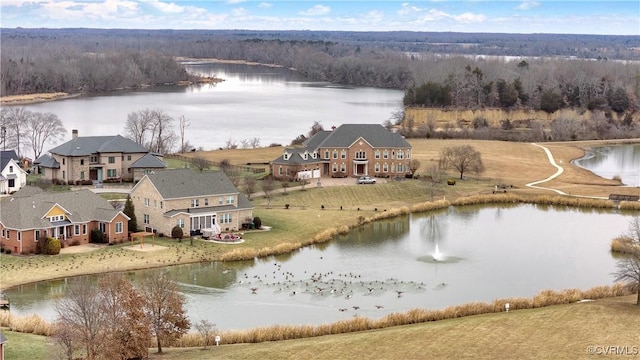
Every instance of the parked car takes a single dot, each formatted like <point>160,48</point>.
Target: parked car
<point>366,180</point>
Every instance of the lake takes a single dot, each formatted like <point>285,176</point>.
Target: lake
<point>274,105</point>
<point>487,252</point>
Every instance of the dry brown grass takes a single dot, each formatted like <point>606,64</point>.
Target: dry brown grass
<point>30,98</point>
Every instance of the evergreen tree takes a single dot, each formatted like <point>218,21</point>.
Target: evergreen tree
<point>130,211</point>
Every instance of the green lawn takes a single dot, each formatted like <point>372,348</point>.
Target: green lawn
<point>20,346</point>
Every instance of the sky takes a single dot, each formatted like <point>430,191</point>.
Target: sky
<point>524,16</point>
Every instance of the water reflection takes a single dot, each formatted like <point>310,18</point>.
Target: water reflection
<point>380,268</point>
<point>621,161</point>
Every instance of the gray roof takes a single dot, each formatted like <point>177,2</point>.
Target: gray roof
<point>180,183</point>
<point>26,212</point>
<point>375,134</point>
<point>314,141</point>
<point>149,161</point>
<point>47,161</point>
<point>296,157</point>
<point>87,145</point>
<point>7,155</point>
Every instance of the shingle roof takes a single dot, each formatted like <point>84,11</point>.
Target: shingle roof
<point>375,134</point>
<point>7,155</point>
<point>26,212</point>
<point>149,161</point>
<point>296,157</point>
<point>47,161</point>
<point>243,203</point>
<point>87,145</point>
<point>180,183</point>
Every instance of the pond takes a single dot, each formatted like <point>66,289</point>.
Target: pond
<point>486,253</point>
<point>621,161</point>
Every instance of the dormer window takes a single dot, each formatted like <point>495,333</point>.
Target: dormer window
<point>11,168</point>
<point>56,218</point>
<point>314,154</point>
<point>286,156</point>
<point>305,155</point>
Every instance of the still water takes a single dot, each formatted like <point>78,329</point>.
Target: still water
<point>488,252</point>
<point>609,161</point>
<point>273,105</point>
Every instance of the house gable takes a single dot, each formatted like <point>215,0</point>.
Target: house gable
<point>56,211</point>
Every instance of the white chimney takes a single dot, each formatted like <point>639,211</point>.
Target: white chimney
<point>74,134</point>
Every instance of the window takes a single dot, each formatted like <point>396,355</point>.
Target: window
<point>112,173</point>
<point>326,154</point>
<point>84,229</point>
<point>155,204</point>
<point>128,157</point>
<point>226,218</point>
<point>377,154</point>
<point>399,168</point>
<point>408,154</point>
<point>334,168</point>
<point>63,161</point>
<point>146,202</point>
<point>76,229</point>
<point>81,175</point>
<point>36,234</point>
<point>19,235</point>
<point>64,174</point>
<point>335,154</point>
<point>279,170</point>
<point>230,199</point>
<point>81,161</point>
<point>385,167</point>
<point>112,159</point>
<point>393,153</point>
<point>11,168</point>
<point>343,154</point>
<point>220,200</point>
<point>343,167</point>
<point>4,231</point>
<point>180,223</point>
<point>161,205</point>
<point>393,167</point>
<point>377,167</point>
<point>119,227</point>
<point>400,155</point>
<point>8,234</point>
<point>12,183</point>
<point>195,203</point>
<point>361,155</point>
<point>56,218</point>
<point>146,218</point>
<point>93,159</point>
<point>206,202</point>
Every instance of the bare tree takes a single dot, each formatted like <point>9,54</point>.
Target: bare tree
<point>245,143</point>
<point>267,187</point>
<point>207,330</point>
<point>67,338</point>
<point>315,128</point>
<point>162,135</point>
<point>138,126</point>
<point>414,165</point>
<point>164,307</point>
<point>462,158</point>
<point>249,185</point>
<point>127,329</point>
<point>628,264</point>
<point>41,129</point>
<point>15,120</point>
<point>183,124</point>
<point>255,143</point>
<point>200,163</point>
<point>230,144</point>
<point>81,311</point>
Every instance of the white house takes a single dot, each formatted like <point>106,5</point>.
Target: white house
<point>12,177</point>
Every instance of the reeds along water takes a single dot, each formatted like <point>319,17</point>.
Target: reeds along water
<point>36,325</point>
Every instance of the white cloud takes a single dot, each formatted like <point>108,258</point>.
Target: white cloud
<point>265,5</point>
<point>232,2</point>
<point>73,11</point>
<point>316,10</point>
<point>527,5</point>
<point>164,7</point>
<point>406,9</point>
<point>470,18</point>
<point>239,12</point>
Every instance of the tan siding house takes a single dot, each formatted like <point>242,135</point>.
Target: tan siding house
<point>68,216</point>
<point>97,158</point>
<point>191,200</point>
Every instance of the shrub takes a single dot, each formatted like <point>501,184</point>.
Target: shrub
<point>177,233</point>
<point>286,206</point>
<point>451,182</point>
<point>97,236</point>
<point>7,251</point>
<point>257,222</point>
<point>53,246</point>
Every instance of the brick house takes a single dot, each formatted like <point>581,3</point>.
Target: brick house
<point>97,158</point>
<point>68,216</point>
<point>189,199</point>
<point>348,150</point>
<point>12,177</point>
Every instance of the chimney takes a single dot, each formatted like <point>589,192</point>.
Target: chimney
<point>74,134</point>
